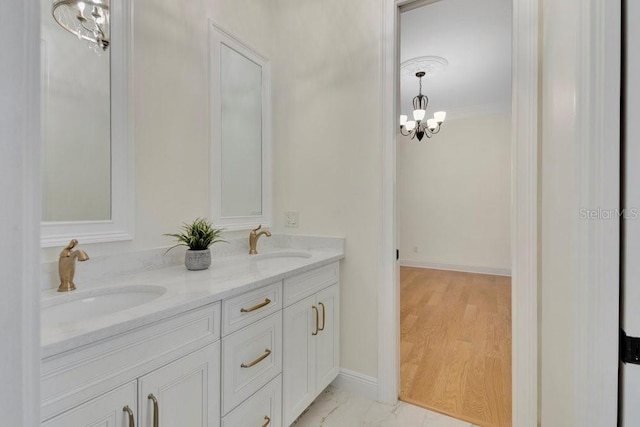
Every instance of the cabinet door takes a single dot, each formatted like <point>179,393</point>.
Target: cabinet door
<point>183,393</point>
<point>328,339</point>
<point>299,353</point>
<point>107,410</point>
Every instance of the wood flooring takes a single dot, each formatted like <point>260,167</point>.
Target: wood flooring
<point>456,344</point>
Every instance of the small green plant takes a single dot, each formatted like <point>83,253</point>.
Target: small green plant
<point>198,235</point>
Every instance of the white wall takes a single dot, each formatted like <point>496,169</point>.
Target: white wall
<point>20,213</point>
<point>454,195</point>
<point>171,110</point>
<point>327,141</point>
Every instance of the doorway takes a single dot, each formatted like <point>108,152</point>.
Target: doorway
<point>524,212</point>
<point>453,209</point>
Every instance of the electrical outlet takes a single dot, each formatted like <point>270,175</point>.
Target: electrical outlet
<point>291,219</point>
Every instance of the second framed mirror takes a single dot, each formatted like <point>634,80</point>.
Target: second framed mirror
<point>240,81</point>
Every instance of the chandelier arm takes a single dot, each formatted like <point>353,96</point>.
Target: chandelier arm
<point>402,130</point>
<point>98,29</point>
<point>428,131</point>
<point>88,29</point>
<point>102,36</point>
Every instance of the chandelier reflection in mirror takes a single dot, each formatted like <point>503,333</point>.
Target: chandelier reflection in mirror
<point>87,19</point>
<point>418,127</point>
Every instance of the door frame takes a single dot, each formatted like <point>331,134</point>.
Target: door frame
<point>596,272</point>
<point>524,227</point>
<point>20,225</point>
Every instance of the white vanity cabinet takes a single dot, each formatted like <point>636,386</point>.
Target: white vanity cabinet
<point>255,359</point>
<point>175,359</point>
<point>182,393</point>
<point>311,338</point>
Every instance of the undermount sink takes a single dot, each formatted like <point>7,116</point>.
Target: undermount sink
<point>81,305</point>
<point>281,255</point>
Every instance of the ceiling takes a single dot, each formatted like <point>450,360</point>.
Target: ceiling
<point>475,38</point>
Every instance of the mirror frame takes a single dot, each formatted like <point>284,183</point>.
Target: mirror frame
<point>219,36</point>
<point>120,226</point>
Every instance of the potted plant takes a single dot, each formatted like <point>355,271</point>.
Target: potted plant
<point>197,236</point>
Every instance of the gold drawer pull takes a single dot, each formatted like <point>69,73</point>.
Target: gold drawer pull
<point>156,416</point>
<point>132,422</point>
<point>266,354</point>
<point>316,310</point>
<point>266,423</point>
<point>323,317</point>
<point>267,301</point>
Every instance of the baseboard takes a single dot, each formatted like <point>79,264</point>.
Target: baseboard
<point>357,383</point>
<point>454,267</point>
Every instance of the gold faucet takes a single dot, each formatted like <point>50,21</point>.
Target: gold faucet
<point>67,265</point>
<point>253,239</point>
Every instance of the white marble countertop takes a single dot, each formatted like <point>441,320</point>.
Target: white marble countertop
<point>185,290</point>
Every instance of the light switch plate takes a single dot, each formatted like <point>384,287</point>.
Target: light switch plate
<point>291,219</point>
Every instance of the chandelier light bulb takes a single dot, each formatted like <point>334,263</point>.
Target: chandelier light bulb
<point>403,120</point>
<point>418,115</point>
<point>81,6</point>
<point>432,124</point>
<point>440,116</point>
<point>411,125</point>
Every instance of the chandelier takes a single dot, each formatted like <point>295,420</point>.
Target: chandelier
<point>418,128</point>
<point>87,19</point>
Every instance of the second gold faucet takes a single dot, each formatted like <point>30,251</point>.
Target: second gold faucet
<point>253,239</point>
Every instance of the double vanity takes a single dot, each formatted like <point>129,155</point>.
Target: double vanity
<point>250,342</point>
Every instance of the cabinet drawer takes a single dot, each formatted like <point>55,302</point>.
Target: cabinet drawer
<point>251,358</point>
<point>265,405</point>
<point>303,285</point>
<point>71,378</point>
<point>248,308</point>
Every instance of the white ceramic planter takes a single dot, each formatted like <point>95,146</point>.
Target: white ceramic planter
<point>197,260</point>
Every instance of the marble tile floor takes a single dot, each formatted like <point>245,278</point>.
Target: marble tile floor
<point>339,408</point>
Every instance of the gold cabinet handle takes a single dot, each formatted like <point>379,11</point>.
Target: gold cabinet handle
<point>316,310</point>
<point>323,317</point>
<point>266,354</point>
<point>267,422</point>
<point>132,422</point>
<point>266,302</point>
<point>156,416</point>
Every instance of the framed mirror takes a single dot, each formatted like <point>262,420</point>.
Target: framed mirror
<point>87,173</point>
<point>241,133</point>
